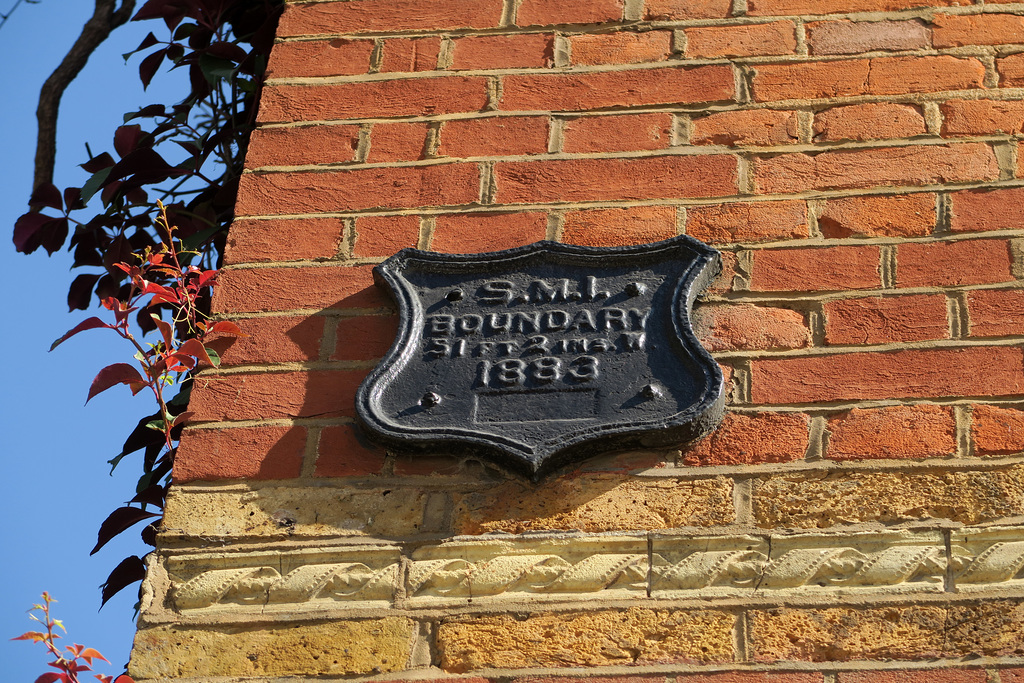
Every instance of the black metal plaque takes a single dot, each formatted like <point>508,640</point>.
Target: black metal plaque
<point>545,354</point>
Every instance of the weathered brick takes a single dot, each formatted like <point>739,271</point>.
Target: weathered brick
<point>869,122</point>
<point>752,439</point>
<point>751,127</point>
<point>618,133</point>
<point>276,339</point>
<point>385,235</point>
<point>281,289</point>
<point>621,48</point>
<point>343,451</point>
<point>364,337</point>
<point>617,227</point>
<point>726,279</point>
<point>419,465</point>
<point>748,221</point>
<point>894,432</point>
<point>387,15</point>
<point>854,168</point>
<point>410,54</point>
<point>774,7</point>
<point>309,58</point>
<point>931,373</point>
<point>600,638</point>
<point>283,239</point>
<point>983,210</point>
<point>473,233</point>
<point>745,327</point>
<point>361,188</point>
<point>687,9</point>
<point>915,676</point>
<point>392,97</point>
<point>302,145</point>
<point>626,88</point>
<point>1011,675</point>
<point>881,320</point>
<point>753,677</point>
<point>815,269</point>
<point>852,37</point>
<point>908,215</point>
<point>710,42</point>
<point>503,52</point>
<point>397,142</point>
<point>951,264</point>
<point>996,313</point>
<point>951,30</point>
<point>998,430</point>
<point>571,180</point>
<point>820,500</point>
<point>1011,70</point>
<point>876,76</point>
<point>258,453</point>
<point>545,12</point>
<point>986,628</point>
<point>981,117</point>
<point>494,136</point>
<point>318,393</point>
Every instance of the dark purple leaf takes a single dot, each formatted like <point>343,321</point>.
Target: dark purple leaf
<point>26,231</point>
<point>149,66</point>
<point>73,198</point>
<point>130,570</point>
<point>80,292</point>
<point>98,163</point>
<point>151,495</point>
<point>53,234</point>
<point>229,51</point>
<point>146,165</point>
<point>120,519</point>
<point>46,195</point>
<point>127,139</point>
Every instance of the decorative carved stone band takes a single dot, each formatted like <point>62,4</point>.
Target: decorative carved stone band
<point>453,573</point>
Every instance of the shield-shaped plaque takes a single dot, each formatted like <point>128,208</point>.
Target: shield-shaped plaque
<point>545,354</point>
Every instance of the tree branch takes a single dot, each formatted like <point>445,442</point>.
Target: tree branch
<point>104,20</point>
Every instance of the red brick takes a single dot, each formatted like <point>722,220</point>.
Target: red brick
<point>397,142</point>
<point>302,145</point>
<point>895,432</point>
<point>618,133</point>
<point>628,88</point>
<point>281,289</point>
<point>362,188</point>
<point>283,239</point>
<point>571,180</point>
<point>616,227</point>
<point>951,264</point>
<point>474,233</point>
<point>1011,70</point>
<point>275,340</point>
<point>873,167</point>
<point>981,117</point>
<point>753,127</point>
<point>877,76</point>
<point>410,54</point>
<point>1011,675</point>
<point>815,269</point>
<point>869,122</point>
<point>950,30</point>
<point>503,52</point>
<point>545,12</point>
<point>880,320</point>
<point>344,451</point>
<point>621,48</point>
<point>996,313</point>
<point>919,676</point>
<point>687,9</point>
<point>748,221</point>
<point>724,282</point>
<point>392,97</point>
<point>774,7</point>
<point>709,42</point>
<point>753,439</point>
<point>494,136</point>
<point>365,337</point>
<point>269,396</point>
<point>933,373</point>
<point>387,15</point>
<point>745,327</point>
<point>983,210</point>
<point>385,235</point>
<point>852,37</point>
<point>752,677</point>
<point>998,430</point>
<point>906,215</point>
<point>254,453</point>
<point>336,57</point>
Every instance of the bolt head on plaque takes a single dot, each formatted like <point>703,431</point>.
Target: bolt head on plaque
<point>545,354</point>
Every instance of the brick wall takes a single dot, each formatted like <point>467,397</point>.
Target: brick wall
<point>857,518</point>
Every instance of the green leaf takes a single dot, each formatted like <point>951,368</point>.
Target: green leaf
<point>93,184</point>
<point>214,356</point>
<point>156,424</point>
<point>215,68</point>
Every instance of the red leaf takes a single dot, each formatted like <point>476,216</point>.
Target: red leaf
<point>117,521</point>
<point>89,654</point>
<point>165,330</point>
<point>227,327</point>
<point>160,293</point>
<point>51,677</point>
<point>118,373</point>
<point>195,348</point>
<point>34,636</point>
<point>130,570</point>
<point>87,324</point>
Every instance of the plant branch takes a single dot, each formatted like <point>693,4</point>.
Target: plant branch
<point>106,17</point>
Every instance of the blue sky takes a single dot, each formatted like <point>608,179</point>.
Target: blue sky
<point>54,483</point>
